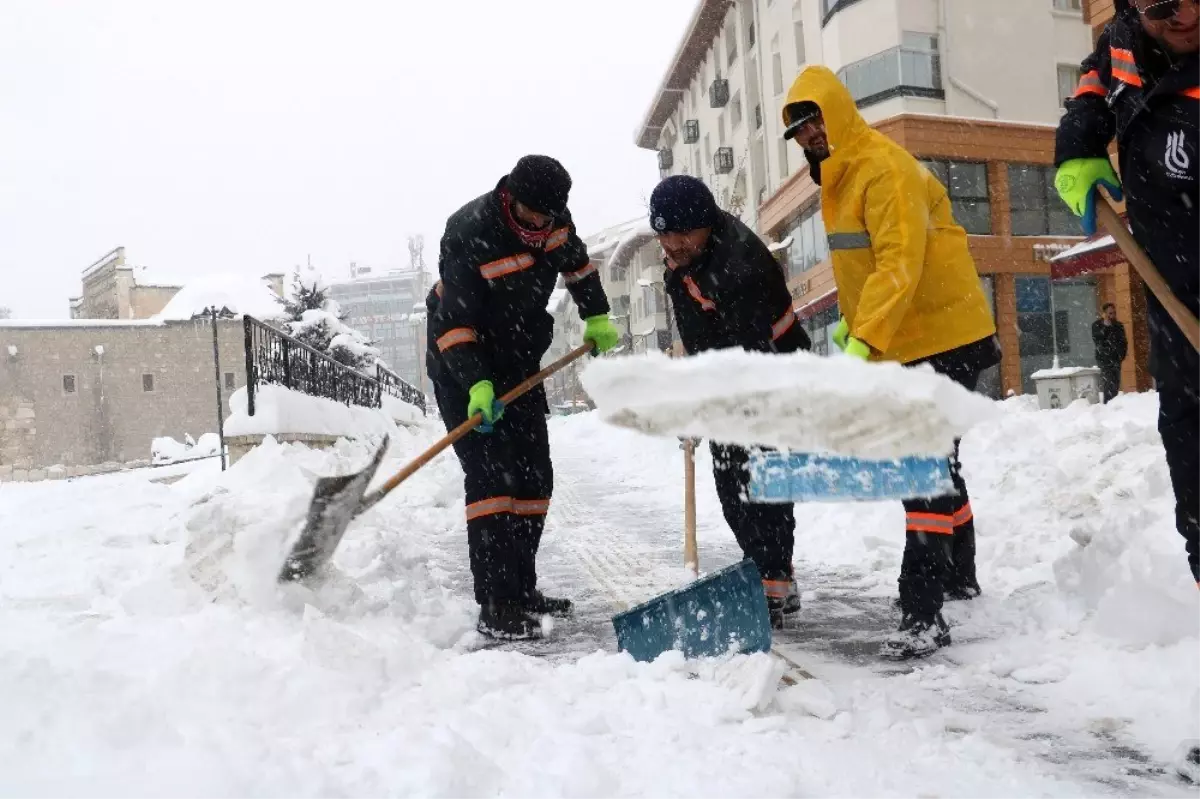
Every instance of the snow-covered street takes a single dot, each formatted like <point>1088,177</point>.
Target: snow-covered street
<point>146,650</point>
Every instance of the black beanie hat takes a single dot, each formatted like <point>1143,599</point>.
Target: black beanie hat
<point>681,203</point>
<point>540,183</point>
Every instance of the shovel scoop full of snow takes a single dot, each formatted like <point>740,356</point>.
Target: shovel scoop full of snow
<point>799,401</point>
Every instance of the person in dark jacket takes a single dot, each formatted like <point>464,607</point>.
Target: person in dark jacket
<point>726,290</point>
<point>488,328</point>
<point>1141,86</point>
<point>1108,335</point>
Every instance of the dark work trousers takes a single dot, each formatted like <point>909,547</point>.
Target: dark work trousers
<point>766,533</point>
<point>1110,380</point>
<point>508,480</point>
<point>939,545</point>
<point>1176,369</point>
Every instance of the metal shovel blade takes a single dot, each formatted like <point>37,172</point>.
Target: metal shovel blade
<point>334,505</point>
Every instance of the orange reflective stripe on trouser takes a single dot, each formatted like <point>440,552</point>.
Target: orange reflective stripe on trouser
<point>531,507</point>
<point>489,507</point>
<point>963,515</point>
<point>921,522</point>
<point>777,589</point>
<point>1124,66</point>
<point>1089,83</point>
<point>1193,92</point>
<point>783,324</point>
<point>452,338</point>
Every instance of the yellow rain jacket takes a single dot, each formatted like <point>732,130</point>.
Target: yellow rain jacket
<point>906,281</point>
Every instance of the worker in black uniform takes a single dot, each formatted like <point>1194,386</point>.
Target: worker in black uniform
<point>501,256</point>
<point>726,290</point>
<point>1141,86</point>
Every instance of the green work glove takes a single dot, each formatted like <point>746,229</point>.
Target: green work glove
<point>857,348</point>
<point>484,402</point>
<point>601,332</point>
<point>1076,181</point>
<point>841,333</point>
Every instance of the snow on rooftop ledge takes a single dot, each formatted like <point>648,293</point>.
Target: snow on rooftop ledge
<point>242,294</point>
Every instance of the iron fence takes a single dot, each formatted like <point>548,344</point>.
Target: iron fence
<point>275,358</point>
<point>395,385</point>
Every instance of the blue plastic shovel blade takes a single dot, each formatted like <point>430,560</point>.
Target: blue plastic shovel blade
<point>786,477</point>
<point>725,611</point>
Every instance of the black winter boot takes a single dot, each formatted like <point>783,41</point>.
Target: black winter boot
<point>916,638</point>
<point>781,606</point>
<point>542,605</point>
<point>510,621</point>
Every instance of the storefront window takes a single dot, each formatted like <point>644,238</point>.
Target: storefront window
<point>820,328</point>
<point>1074,310</point>
<point>809,246</point>
<point>990,384</point>
<point>967,184</point>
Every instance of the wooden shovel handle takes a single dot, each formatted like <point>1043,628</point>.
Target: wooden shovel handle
<point>469,425</point>
<point>691,557</point>
<point>1111,222</point>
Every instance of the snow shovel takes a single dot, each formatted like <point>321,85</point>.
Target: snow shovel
<point>1110,220</point>
<point>338,500</point>
<point>789,477</point>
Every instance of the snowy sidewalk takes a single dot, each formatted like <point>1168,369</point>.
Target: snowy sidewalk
<point>147,651</point>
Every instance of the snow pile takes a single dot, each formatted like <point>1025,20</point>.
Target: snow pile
<point>798,401</point>
<point>168,450</point>
<point>400,411</point>
<point>279,410</point>
<point>240,293</point>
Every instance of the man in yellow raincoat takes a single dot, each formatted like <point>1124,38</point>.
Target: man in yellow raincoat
<point>908,292</point>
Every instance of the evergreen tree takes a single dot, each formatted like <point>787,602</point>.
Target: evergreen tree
<point>310,316</point>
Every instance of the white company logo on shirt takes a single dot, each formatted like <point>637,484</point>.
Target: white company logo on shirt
<point>1177,159</point>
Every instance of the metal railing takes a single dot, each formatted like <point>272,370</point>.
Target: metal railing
<point>395,385</point>
<point>275,358</point>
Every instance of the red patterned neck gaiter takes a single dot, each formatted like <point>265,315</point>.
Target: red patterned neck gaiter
<point>530,238</point>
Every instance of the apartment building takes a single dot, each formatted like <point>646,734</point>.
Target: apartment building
<point>973,89</point>
<point>382,305</point>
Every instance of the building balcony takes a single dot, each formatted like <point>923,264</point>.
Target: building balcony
<point>691,131</point>
<point>723,160</point>
<point>718,93</point>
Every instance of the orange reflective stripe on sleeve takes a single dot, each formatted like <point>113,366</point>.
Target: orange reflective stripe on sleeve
<point>459,335</point>
<point>694,290</point>
<point>579,274</point>
<point>489,507</point>
<point>963,515</point>
<point>1090,83</point>
<point>557,239</point>
<point>506,266</point>
<point>940,523</point>
<point>776,589</point>
<point>1193,92</point>
<point>783,325</point>
<point>531,507</point>
<point>1124,66</point>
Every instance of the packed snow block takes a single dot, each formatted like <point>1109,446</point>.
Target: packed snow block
<point>799,401</point>
<point>789,477</point>
<point>721,613</point>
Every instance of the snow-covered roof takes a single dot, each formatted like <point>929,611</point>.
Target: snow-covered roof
<point>598,244</point>
<point>27,323</point>
<point>240,293</point>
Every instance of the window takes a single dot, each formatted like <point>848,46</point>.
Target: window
<point>783,158</point>
<point>809,246</point>
<point>831,7</point>
<point>967,185</point>
<point>731,48</point>
<point>913,69</point>
<point>798,34</point>
<point>1068,5</point>
<point>147,382</point>
<point>230,381</point>
<point>1037,209</point>
<point>750,34</point>
<point>1074,308</point>
<point>1068,81</point>
<point>721,131</point>
<point>68,384</point>
<point>776,66</point>
<point>735,112</point>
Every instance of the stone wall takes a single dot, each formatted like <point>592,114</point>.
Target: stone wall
<point>85,393</point>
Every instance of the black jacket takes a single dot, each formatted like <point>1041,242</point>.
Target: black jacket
<point>487,317</point>
<point>734,295</point>
<point>1111,343</point>
<point>1133,90</point>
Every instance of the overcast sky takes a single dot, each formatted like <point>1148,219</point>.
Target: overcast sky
<point>249,135</point>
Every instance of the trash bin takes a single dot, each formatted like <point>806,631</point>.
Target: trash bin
<point>1058,388</point>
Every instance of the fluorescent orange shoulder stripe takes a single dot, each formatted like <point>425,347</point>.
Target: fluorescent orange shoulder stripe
<point>506,266</point>
<point>452,338</point>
